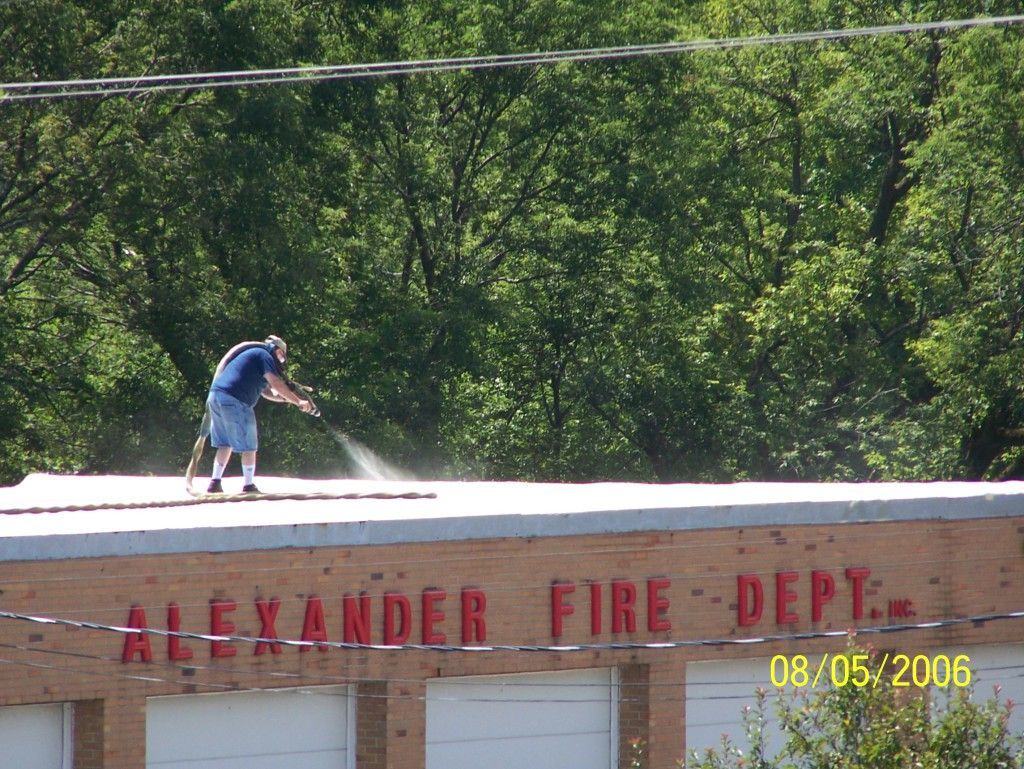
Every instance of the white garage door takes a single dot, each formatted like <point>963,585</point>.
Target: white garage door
<point>716,694</point>
<point>36,736</point>
<point>997,665</point>
<point>524,721</point>
<point>287,729</point>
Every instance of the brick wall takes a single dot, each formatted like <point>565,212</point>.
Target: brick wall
<point>88,734</point>
<point>372,725</point>
<point>634,712</point>
<point>942,568</point>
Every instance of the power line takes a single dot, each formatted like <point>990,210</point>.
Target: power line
<point>60,89</point>
<point>557,649</point>
<point>314,683</point>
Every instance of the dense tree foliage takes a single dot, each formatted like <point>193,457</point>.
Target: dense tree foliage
<point>798,261</point>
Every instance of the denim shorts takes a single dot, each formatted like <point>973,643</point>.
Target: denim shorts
<point>232,423</point>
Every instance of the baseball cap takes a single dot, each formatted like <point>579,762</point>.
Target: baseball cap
<point>278,342</point>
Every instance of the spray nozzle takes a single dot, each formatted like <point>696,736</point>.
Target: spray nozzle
<point>305,390</point>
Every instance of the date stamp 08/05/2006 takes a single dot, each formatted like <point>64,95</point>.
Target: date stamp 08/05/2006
<point>839,670</point>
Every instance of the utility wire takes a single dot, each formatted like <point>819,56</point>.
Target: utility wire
<point>314,683</point>
<point>60,89</point>
<point>190,667</point>
<point>558,649</point>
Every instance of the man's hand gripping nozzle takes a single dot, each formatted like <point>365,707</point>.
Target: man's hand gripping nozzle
<point>305,390</point>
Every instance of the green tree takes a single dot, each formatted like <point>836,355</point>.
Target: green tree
<point>141,235</point>
<point>786,261</point>
<point>459,229</point>
<point>961,246</point>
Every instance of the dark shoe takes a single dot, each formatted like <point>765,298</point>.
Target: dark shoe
<point>250,488</point>
<point>214,487</point>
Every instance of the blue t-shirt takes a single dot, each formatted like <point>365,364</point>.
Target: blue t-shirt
<point>243,377</point>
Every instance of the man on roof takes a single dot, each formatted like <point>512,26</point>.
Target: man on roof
<point>247,372</point>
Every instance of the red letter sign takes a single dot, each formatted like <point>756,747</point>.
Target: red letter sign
<point>430,616</point>
<point>595,608</point>
<point>823,588</point>
<point>357,620</point>
<point>749,612</point>
<point>784,597</point>
<point>175,651</point>
<point>314,627</point>
<point>268,615</point>
<point>623,603</point>
<point>558,608</point>
<point>656,604</point>
<point>137,643</point>
<point>392,601</point>
<point>474,628</point>
<point>218,626</point>
<point>857,576</point>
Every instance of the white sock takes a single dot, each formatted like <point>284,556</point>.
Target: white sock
<point>218,470</point>
<point>248,472</point>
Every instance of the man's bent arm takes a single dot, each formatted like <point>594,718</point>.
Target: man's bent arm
<point>283,391</point>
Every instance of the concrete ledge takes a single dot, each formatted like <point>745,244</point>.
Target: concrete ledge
<point>460,511</point>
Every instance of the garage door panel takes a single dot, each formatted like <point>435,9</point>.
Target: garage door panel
<point>34,736</point>
<point>581,701</point>
<point>527,752</point>
<point>263,760</point>
<point>254,730</point>
<point>996,671</point>
<point>558,719</point>
<point>246,719</point>
<point>511,722</point>
<point>716,694</point>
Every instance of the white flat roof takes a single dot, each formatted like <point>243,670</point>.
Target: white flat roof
<point>52,517</point>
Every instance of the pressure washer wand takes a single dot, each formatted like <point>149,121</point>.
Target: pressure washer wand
<point>307,390</point>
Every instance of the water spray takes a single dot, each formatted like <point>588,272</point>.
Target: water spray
<point>367,464</point>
